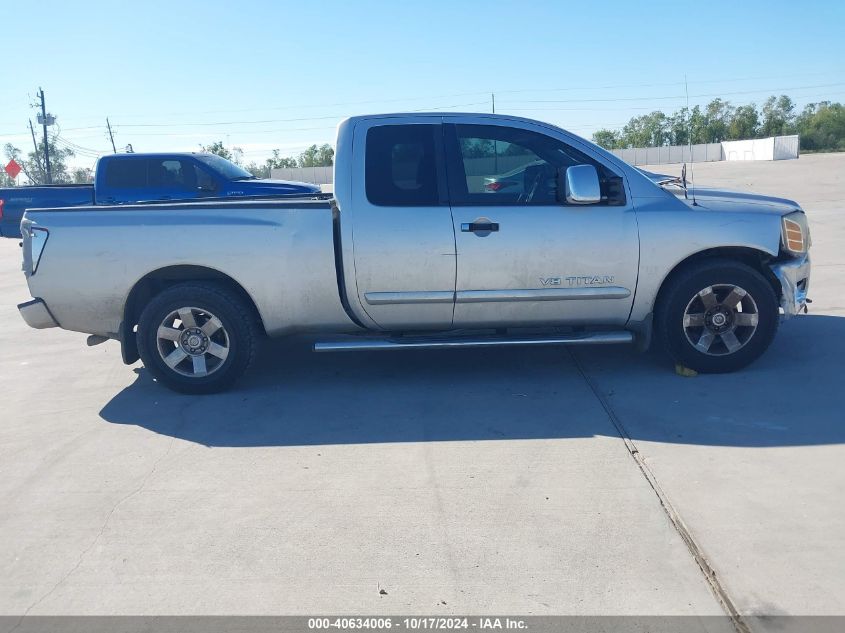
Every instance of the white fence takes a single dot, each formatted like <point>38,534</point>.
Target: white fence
<point>772,148</point>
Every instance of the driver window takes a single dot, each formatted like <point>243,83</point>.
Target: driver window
<point>204,180</point>
<point>170,174</point>
<point>498,165</point>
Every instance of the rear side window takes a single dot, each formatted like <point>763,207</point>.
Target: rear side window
<point>401,165</point>
<point>126,174</point>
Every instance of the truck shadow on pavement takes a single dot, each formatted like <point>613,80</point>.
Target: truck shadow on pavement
<point>793,396</point>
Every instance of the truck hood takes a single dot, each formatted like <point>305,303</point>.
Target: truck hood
<point>720,200</point>
<point>269,186</point>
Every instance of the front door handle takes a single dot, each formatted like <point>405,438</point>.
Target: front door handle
<point>479,227</point>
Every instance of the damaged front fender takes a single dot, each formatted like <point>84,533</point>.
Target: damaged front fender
<point>794,278</point>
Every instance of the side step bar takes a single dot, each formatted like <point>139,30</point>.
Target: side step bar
<point>368,343</point>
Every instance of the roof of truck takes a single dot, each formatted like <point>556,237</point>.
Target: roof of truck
<point>152,154</point>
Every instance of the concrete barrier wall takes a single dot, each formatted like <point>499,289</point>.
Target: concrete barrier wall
<point>786,147</point>
<point>772,148</point>
<point>701,153</point>
<point>315,175</point>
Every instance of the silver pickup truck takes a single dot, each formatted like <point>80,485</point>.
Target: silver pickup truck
<point>445,230</point>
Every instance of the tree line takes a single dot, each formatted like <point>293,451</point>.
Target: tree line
<point>314,156</point>
<point>821,125</point>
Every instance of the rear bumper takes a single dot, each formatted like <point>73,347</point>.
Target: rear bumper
<point>794,278</point>
<point>37,314</point>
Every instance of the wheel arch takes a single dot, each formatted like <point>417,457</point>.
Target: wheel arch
<point>160,279</point>
<point>752,257</point>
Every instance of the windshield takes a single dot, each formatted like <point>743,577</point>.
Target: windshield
<point>225,168</point>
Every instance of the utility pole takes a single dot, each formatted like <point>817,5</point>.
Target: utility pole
<point>46,144</point>
<point>111,136</point>
<point>493,99</point>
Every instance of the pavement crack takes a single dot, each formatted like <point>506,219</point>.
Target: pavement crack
<point>672,514</point>
<point>97,537</point>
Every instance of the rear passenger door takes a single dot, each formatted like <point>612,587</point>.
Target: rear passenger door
<point>402,230</point>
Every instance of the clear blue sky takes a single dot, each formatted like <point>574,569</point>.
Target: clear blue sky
<point>262,75</point>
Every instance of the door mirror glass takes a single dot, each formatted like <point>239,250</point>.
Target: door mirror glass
<point>580,184</point>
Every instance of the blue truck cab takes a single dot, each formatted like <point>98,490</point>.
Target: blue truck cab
<point>133,178</point>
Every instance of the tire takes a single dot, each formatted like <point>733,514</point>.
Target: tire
<point>706,323</point>
<point>197,337</point>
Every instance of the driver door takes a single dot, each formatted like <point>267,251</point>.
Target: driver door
<point>523,257</point>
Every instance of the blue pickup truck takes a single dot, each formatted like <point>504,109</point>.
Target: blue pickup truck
<point>132,178</point>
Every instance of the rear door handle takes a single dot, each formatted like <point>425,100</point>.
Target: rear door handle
<point>479,227</point>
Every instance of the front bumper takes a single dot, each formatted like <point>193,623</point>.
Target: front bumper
<point>37,314</point>
<point>794,278</point>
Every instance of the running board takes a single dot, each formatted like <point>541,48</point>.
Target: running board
<point>358,344</point>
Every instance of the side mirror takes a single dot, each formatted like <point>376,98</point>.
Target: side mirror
<point>579,184</point>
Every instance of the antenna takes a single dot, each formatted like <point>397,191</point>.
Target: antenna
<point>689,141</point>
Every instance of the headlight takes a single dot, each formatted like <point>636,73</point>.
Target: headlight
<point>795,233</point>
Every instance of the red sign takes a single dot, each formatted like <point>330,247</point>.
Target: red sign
<point>13,169</point>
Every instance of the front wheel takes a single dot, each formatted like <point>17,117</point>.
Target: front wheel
<point>717,316</point>
<point>196,337</point>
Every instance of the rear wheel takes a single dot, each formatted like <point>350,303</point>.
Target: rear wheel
<point>196,337</point>
<point>717,316</point>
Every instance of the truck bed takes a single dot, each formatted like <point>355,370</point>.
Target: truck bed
<point>281,252</point>
<point>15,200</point>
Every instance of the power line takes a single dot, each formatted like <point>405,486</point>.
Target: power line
<point>341,116</point>
<point>482,92</point>
<point>445,107</point>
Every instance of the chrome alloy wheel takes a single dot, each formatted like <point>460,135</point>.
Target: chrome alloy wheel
<point>192,342</point>
<point>720,319</point>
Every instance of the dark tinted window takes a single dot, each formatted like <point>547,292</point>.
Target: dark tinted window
<point>126,173</point>
<point>503,165</point>
<point>171,173</point>
<point>204,180</point>
<point>401,165</point>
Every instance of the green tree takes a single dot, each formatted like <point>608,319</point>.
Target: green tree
<point>745,123</point>
<point>322,156</point>
<point>83,175</point>
<point>477,148</point>
<point>235,154</point>
<point>608,139</point>
<point>778,116</point>
<point>718,116</point>
<point>277,161</point>
<point>33,165</point>
<point>259,171</point>
<point>822,126</point>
